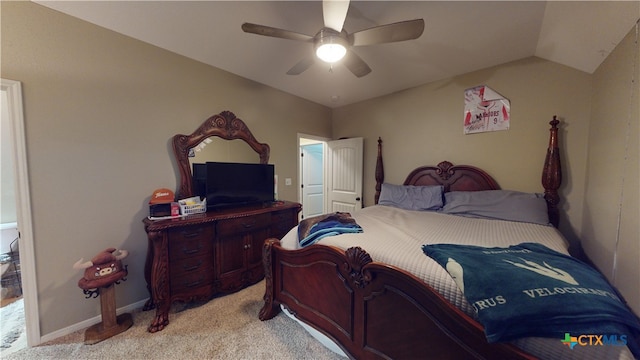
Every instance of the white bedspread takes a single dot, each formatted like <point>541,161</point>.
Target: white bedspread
<point>395,236</point>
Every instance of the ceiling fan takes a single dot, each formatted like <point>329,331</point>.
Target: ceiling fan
<point>332,43</point>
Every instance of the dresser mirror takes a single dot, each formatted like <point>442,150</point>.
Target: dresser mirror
<point>218,149</point>
<point>206,144</point>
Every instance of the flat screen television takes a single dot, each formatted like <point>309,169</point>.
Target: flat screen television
<point>227,184</point>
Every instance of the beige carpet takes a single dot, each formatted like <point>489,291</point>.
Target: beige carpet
<point>223,328</point>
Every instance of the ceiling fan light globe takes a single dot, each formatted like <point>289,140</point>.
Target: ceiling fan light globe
<point>331,52</point>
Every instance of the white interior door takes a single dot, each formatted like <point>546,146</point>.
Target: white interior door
<point>344,175</point>
<point>312,179</point>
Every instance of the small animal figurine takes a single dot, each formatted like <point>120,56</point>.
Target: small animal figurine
<point>103,270</point>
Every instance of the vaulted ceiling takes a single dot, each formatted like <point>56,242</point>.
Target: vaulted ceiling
<point>459,37</point>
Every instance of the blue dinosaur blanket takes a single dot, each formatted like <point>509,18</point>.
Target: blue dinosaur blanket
<point>531,290</point>
<point>313,229</point>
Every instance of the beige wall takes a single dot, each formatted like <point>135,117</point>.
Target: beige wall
<point>100,110</point>
<point>610,226</point>
<point>423,125</point>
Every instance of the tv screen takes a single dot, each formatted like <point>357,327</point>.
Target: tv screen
<point>228,184</point>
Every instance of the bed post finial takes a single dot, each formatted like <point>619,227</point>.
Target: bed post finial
<point>552,173</point>
<point>379,172</point>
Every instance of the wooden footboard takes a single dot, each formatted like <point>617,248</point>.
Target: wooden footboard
<point>371,310</point>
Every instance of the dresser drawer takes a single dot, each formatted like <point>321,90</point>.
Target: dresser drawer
<point>190,242</point>
<point>282,222</point>
<point>191,265</point>
<point>191,273</point>
<point>283,216</point>
<point>242,224</point>
<point>191,280</point>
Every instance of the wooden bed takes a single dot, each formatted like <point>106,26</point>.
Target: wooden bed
<point>374,310</point>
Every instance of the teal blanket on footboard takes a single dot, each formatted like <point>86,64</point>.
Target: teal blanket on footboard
<point>530,290</point>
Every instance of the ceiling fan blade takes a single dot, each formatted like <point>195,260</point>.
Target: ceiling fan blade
<point>400,31</point>
<point>301,66</point>
<point>355,64</point>
<point>275,32</point>
<point>334,13</point>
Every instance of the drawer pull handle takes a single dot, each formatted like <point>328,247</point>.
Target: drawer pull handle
<point>247,246</point>
<point>194,267</point>
<point>195,283</point>
<point>191,251</point>
<point>191,234</point>
<point>248,225</point>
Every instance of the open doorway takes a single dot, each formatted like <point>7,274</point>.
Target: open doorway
<point>330,175</point>
<point>311,175</point>
<point>10,285</point>
<point>25,330</point>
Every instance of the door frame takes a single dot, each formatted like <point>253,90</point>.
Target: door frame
<point>15,108</point>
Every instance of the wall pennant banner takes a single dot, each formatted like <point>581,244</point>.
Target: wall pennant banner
<point>485,110</point>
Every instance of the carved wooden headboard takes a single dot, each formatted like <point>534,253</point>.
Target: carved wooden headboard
<point>452,177</point>
<point>471,178</point>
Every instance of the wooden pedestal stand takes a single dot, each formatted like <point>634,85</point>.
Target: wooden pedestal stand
<point>110,325</point>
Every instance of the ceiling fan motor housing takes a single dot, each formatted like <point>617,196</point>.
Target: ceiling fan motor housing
<point>331,45</point>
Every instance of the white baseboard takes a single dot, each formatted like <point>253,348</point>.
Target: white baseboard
<point>89,322</point>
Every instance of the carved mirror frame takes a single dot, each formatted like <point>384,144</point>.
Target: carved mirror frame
<point>224,125</point>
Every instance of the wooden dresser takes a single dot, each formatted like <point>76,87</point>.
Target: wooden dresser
<point>198,256</point>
